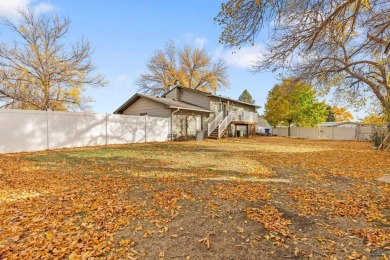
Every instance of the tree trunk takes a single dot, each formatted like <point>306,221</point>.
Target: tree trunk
<point>289,128</point>
<point>387,111</point>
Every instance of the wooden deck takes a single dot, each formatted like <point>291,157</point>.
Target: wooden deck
<point>250,127</point>
<point>243,122</point>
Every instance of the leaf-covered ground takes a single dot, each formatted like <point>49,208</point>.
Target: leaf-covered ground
<point>257,198</point>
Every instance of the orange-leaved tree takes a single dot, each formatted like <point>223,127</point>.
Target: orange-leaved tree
<point>341,114</point>
<point>39,72</point>
<point>192,67</point>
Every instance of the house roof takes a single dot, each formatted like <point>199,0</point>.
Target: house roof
<point>170,103</point>
<point>215,96</point>
<point>332,124</point>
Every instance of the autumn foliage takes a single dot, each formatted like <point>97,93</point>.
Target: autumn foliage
<point>336,45</point>
<point>190,67</point>
<point>39,72</point>
<point>294,102</point>
<point>341,114</point>
<point>296,198</point>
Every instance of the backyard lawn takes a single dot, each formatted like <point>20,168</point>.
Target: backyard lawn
<point>255,198</point>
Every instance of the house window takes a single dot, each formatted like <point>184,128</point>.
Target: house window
<point>143,114</point>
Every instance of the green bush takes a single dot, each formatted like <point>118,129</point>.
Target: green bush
<point>377,138</point>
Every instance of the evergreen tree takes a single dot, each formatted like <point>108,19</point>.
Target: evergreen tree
<point>330,117</point>
<point>246,97</point>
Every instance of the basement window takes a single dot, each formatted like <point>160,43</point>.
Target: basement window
<point>143,114</point>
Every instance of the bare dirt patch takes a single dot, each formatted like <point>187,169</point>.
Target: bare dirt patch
<point>384,179</point>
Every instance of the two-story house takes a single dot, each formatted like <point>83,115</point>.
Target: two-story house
<point>192,110</point>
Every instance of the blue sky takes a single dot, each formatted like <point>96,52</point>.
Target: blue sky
<point>124,35</point>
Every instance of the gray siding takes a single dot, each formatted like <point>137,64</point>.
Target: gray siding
<point>195,98</point>
<point>245,107</point>
<point>192,97</point>
<point>215,105</point>
<point>152,108</point>
<point>179,124</point>
<point>173,94</point>
<point>186,117</point>
<point>233,106</point>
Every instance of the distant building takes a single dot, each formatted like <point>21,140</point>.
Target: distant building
<point>262,124</point>
<point>339,124</point>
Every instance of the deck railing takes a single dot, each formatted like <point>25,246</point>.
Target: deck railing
<point>215,123</point>
<point>249,116</point>
<point>245,116</point>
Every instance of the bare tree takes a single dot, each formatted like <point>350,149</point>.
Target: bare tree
<point>192,67</point>
<point>39,72</point>
<point>335,44</point>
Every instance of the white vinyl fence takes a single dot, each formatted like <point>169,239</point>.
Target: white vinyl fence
<point>27,130</point>
<point>362,133</point>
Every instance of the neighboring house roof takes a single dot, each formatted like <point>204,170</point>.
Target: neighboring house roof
<point>341,124</point>
<point>262,122</point>
<point>170,103</point>
<point>216,96</point>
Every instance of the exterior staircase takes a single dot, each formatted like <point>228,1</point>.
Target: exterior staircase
<point>218,127</point>
<point>213,128</point>
<point>214,133</point>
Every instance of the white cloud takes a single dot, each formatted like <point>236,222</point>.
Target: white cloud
<point>242,58</point>
<point>43,7</point>
<point>200,42</point>
<point>218,53</point>
<point>9,8</point>
<point>196,41</point>
<point>188,37</point>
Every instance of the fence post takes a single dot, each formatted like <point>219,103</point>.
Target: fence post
<point>48,124</point>
<point>106,128</point>
<point>333,132</point>
<point>358,132</point>
<point>146,120</point>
